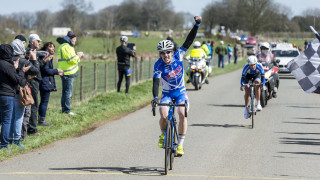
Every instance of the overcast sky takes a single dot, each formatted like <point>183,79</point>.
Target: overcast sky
<point>193,6</point>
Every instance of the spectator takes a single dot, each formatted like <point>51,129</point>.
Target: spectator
<point>34,44</point>
<point>11,77</point>
<point>236,51</point>
<point>209,47</point>
<point>47,83</point>
<point>68,61</point>
<point>305,44</point>
<point>221,50</point>
<point>229,53</point>
<point>18,110</point>
<point>123,54</point>
<point>21,38</point>
<point>205,48</point>
<point>174,43</point>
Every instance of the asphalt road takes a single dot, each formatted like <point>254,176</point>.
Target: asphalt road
<point>285,143</point>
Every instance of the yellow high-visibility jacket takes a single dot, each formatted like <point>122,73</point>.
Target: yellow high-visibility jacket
<point>196,53</point>
<point>205,48</point>
<point>68,59</point>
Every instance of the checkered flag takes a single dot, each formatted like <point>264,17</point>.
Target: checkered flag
<point>306,68</point>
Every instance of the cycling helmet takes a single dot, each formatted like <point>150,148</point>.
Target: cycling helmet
<point>196,44</point>
<point>123,39</point>
<point>252,60</point>
<point>165,45</point>
<point>265,44</point>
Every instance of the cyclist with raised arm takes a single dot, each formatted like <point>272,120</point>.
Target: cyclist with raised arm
<point>169,70</point>
<point>252,70</point>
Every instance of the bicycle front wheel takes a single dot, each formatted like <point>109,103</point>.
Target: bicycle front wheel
<point>167,148</point>
<point>175,142</point>
<point>252,112</point>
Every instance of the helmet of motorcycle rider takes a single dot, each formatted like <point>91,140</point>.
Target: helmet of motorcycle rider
<point>165,45</point>
<point>265,45</point>
<point>196,44</point>
<point>252,60</point>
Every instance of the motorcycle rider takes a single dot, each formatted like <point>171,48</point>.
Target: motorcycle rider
<point>169,68</point>
<point>252,70</point>
<point>265,53</point>
<point>197,52</point>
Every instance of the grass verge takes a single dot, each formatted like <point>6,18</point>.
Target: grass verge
<point>91,114</point>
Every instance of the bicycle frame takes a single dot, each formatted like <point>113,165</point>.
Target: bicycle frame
<point>172,121</point>
<point>252,112</point>
<point>171,132</point>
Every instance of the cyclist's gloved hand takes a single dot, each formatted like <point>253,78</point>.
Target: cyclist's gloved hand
<point>198,19</point>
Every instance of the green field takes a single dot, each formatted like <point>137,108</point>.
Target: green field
<point>92,45</point>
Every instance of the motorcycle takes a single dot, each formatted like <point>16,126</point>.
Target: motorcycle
<point>272,81</point>
<point>197,72</point>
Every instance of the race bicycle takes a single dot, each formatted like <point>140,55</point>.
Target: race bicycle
<point>252,108</point>
<point>171,135</point>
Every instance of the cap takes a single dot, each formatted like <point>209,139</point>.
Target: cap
<point>21,37</point>
<point>124,39</point>
<point>34,37</point>
<point>71,34</point>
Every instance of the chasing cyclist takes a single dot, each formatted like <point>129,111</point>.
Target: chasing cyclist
<point>169,70</point>
<point>252,70</point>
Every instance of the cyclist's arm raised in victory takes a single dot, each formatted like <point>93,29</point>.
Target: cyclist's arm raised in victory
<point>192,34</point>
<point>159,65</point>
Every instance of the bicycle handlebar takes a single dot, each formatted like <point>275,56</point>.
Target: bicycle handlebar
<point>154,103</point>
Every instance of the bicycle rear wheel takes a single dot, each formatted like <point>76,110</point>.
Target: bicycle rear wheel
<point>167,148</point>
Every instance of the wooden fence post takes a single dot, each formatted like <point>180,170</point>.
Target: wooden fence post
<point>81,82</point>
<point>132,71</point>
<point>149,74</point>
<point>106,77</point>
<point>136,65</point>
<point>95,78</point>
<point>141,69</point>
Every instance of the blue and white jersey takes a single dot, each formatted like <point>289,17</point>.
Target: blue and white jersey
<point>247,70</point>
<point>171,75</point>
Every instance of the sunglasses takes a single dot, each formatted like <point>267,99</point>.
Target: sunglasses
<point>165,52</point>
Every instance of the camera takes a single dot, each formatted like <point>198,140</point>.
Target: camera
<point>130,45</point>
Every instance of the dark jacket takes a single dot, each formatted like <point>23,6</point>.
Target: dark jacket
<point>10,77</point>
<point>24,62</point>
<point>36,63</point>
<point>48,82</point>
<point>123,54</point>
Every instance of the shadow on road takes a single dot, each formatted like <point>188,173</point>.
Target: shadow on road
<point>301,141</point>
<point>297,133</point>
<point>226,105</point>
<point>142,171</point>
<point>302,153</point>
<point>224,125</point>
<point>307,118</point>
<point>303,107</point>
<point>299,122</point>
<point>189,89</point>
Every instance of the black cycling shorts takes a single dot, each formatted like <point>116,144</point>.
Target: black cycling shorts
<point>251,76</point>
